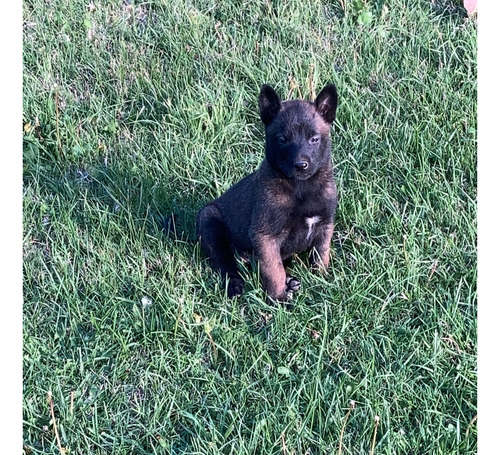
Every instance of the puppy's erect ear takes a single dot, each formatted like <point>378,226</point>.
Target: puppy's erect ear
<point>269,104</point>
<point>326,103</point>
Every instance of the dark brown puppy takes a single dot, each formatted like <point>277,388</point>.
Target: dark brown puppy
<point>287,205</point>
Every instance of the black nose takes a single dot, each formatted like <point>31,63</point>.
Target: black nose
<point>301,165</point>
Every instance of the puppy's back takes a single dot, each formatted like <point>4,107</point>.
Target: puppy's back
<point>236,206</point>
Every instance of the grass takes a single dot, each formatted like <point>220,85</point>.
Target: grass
<point>133,110</point>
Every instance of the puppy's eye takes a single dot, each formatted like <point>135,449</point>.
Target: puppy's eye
<point>314,140</point>
<point>281,140</point>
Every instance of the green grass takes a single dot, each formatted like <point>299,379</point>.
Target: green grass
<point>135,110</point>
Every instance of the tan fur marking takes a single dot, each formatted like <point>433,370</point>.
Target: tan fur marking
<point>271,266</point>
<point>321,257</point>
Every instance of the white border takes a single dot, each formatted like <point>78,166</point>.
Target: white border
<point>488,226</point>
<point>11,263</point>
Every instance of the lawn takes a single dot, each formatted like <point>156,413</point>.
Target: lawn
<point>135,110</point>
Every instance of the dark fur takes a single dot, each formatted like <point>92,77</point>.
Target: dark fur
<point>266,213</point>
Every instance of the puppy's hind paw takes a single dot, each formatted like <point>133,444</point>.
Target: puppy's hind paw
<point>235,287</point>
<point>292,284</point>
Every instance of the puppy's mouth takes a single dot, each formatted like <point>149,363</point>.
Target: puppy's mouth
<point>302,175</point>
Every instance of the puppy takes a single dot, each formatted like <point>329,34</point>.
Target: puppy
<point>286,206</point>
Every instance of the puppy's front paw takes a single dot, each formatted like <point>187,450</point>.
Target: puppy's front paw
<point>292,284</point>
<point>235,287</point>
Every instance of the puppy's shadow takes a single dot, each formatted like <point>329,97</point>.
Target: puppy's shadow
<point>170,215</point>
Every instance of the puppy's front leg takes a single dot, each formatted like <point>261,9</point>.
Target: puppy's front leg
<point>320,253</point>
<point>272,271</point>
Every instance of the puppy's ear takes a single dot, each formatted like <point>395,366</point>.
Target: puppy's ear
<point>326,103</point>
<point>269,104</point>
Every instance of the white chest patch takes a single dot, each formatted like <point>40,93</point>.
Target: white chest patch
<point>310,224</point>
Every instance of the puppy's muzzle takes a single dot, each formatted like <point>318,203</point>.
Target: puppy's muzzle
<point>301,165</point>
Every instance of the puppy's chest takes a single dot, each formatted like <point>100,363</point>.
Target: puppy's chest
<point>306,222</point>
<point>311,222</point>
<point>302,231</point>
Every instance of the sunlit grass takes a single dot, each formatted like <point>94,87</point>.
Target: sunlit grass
<point>136,110</point>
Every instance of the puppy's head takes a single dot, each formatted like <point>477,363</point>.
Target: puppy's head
<point>298,132</point>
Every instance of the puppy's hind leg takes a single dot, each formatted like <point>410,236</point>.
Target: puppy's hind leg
<point>214,239</point>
